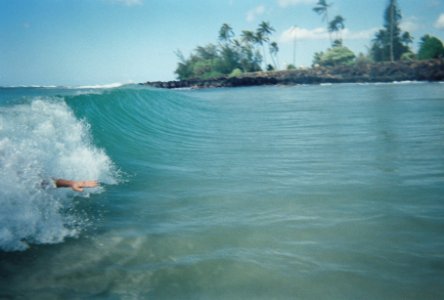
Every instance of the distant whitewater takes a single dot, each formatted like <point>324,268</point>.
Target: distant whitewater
<point>41,139</point>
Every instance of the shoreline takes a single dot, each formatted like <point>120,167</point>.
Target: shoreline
<point>429,70</point>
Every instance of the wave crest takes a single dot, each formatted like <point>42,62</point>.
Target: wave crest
<point>41,140</point>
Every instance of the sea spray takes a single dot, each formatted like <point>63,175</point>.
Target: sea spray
<point>39,140</point>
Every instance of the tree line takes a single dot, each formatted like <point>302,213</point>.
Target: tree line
<point>234,55</point>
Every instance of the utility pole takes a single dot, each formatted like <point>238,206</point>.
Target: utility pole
<point>294,46</point>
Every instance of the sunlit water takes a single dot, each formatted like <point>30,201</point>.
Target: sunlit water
<point>305,192</point>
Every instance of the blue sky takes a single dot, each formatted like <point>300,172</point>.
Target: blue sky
<point>88,42</point>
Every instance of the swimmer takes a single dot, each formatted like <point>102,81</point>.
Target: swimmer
<point>75,185</point>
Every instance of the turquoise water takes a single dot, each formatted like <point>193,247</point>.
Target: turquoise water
<point>305,192</point>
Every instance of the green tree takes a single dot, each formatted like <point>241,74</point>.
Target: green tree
<point>208,52</point>
<point>236,73</point>
<point>274,49</point>
<point>248,37</point>
<point>336,25</point>
<point>226,33</point>
<point>379,49</point>
<point>389,43</point>
<point>317,58</point>
<point>362,60</point>
<point>392,20</point>
<point>249,58</point>
<point>248,49</point>
<point>228,60</point>
<point>406,39</point>
<point>263,33</point>
<point>337,43</point>
<point>217,60</point>
<point>338,56</point>
<point>334,56</point>
<point>183,69</point>
<point>430,47</point>
<point>321,9</point>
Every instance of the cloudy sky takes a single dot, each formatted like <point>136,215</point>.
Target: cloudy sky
<point>85,42</point>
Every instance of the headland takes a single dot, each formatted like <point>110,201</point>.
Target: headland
<point>427,70</point>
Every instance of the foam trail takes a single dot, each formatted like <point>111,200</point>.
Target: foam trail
<point>41,140</point>
<point>101,86</point>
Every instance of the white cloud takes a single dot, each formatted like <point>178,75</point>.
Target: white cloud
<point>440,22</point>
<point>410,24</point>
<point>285,3</point>
<point>360,35</point>
<point>321,33</point>
<point>291,33</point>
<point>255,12</point>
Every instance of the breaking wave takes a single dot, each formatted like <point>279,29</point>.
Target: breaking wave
<point>41,139</point>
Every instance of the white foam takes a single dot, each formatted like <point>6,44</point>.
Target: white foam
<point>32,86</point>
<point>101,86</point>
<point>39,141</point>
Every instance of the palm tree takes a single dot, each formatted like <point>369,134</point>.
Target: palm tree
<point>248,37</point>
<point>274,49</point>
<point>265,29</point>
<point>336,25</point>
<point>262,35</point>
<point>226,33</point>
<point>321,9</point>
<point>249,40</point>
<point>251,58</point>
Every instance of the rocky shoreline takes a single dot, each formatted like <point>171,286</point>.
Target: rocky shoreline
<point>430,70</point>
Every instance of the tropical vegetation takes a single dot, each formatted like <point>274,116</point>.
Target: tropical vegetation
<point>334,56</point>
<point>430,47</point>
<point>390,43</point>
<point>240,54</point>
<point>254,50</point>
<point>338,54</point>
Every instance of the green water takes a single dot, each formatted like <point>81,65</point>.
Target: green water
<point>306,192</point>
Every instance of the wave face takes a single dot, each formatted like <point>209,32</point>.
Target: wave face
<point>50,133</point>
<point>151,133</point>
<point>252,193</point>
<point>41,139</point>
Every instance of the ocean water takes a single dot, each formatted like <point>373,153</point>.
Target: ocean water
<point>304,192</point>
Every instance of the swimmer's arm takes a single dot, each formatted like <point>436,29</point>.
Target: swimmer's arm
<point>75,185</point>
